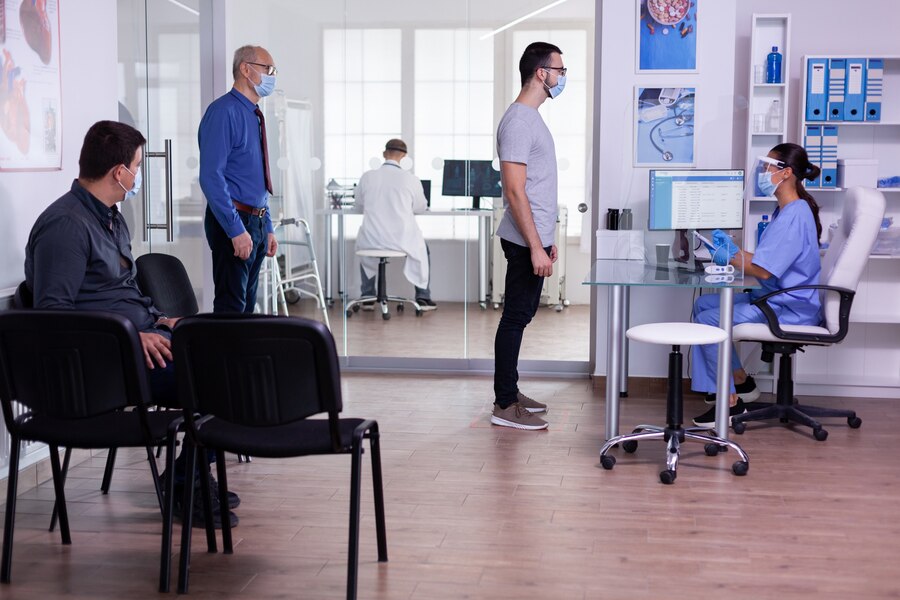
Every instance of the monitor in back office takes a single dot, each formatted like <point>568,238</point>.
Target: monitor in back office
<point>426,187</point>
<point>475,178</point>
<point>696,199</point>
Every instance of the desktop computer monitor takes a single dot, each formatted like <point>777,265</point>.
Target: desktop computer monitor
<point>696,199</point>
<point>426,188</point>
<point>475,178</point>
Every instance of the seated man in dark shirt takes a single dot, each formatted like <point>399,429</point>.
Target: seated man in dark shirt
<point>78,255</point>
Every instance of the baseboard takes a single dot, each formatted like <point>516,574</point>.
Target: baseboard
<point>645,386</point>
<point>40,472</point>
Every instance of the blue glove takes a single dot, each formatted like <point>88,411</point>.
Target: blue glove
<point>724,250</point>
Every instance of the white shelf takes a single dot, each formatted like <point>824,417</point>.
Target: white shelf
<point>894,190</point>
<point>770,85</point>
<point>769,133</point>
<point>853,123</point>
<point>821,189</point>
<point>848,379</point>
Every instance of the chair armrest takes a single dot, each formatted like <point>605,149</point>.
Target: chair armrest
<point>843,315</point>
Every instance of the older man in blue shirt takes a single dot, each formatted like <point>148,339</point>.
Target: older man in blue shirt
<point>234,176</point>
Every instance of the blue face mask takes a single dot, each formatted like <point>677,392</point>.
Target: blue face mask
<point>765,183</point>
<point>557,89</point>
<point>265,87</point>
<point>129,194</point>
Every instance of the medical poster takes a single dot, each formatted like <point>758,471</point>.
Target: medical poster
<point>30,96</point>
<point>667,35</point>
<point>664,126</point>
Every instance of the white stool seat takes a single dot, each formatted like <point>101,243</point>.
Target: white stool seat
<point>677,334</point>
<point>381,253</point>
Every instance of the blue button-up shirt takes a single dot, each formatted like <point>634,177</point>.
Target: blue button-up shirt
<point>79,257</point>
<point>231,160</point>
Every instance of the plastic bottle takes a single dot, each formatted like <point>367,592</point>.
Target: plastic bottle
<point>773,66</point>
<point>775,116</point>
<point>625,219</point>
<point>761,227</point>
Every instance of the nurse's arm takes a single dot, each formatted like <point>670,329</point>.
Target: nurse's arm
<point>745,259</point>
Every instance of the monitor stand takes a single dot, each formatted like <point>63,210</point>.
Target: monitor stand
<point>683,252</point>
<point>476,202</point>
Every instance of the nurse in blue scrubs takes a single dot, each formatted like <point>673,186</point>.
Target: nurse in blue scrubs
<point>787,256</point>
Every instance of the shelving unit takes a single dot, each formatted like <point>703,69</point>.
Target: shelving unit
<point>767,30</point>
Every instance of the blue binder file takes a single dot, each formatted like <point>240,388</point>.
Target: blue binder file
<point>855,90</point>
<point>837,70</point>
<point>874,88</point>
<point>828,179</point>
<point>812,141</point>
<point>816,88</point>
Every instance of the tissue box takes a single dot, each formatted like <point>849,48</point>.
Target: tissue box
<point>857,172</point>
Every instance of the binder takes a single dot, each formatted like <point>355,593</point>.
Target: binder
<point>874,88</point>
<point>855,90</point>
<point>816,88</point>
<point>828,178</point>
<point>812,142</point>
<point>837,69</point>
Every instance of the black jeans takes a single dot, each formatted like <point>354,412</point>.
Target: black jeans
<point>520,304</point>
<point>236,280</point>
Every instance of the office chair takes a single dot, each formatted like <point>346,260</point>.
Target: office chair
<point>842,268</point>
<point>74,379</point>
<point>381,297</point>
<point>257,380</point>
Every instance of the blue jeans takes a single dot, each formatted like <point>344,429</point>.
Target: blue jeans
<point>367,284</point>
<point>235,280</point>
<point>520,304</point>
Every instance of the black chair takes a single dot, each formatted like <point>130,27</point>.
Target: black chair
<point>164,278</point>
<point>257,380</point>
<point>66,379</point>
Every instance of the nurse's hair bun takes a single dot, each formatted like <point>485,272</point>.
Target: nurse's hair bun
<point>812,172</point>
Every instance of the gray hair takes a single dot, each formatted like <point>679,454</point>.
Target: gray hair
<point>242,55</point>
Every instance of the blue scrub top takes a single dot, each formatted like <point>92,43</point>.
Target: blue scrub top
<point>789,250</point>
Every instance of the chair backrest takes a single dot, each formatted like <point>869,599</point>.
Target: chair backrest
<point>69,364</point>
<point>23,298</point>
<point>848,253</point>
<point>256,370</point>
<point>163,278</point>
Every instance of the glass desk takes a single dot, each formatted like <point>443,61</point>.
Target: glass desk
<point>620,275</point>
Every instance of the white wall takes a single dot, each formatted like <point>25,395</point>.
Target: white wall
<point>89,92</point>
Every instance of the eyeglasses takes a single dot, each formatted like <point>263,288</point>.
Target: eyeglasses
<point>562,70</point>
<point>270,69</point>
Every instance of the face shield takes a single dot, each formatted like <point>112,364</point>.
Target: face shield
<point>766,163</point>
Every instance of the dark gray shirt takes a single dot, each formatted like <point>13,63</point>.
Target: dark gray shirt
<point>79,257</point>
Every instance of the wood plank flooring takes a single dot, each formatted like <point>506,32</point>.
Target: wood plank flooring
<point>476,511</point>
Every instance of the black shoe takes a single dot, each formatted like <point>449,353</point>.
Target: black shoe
<point>199,517</point>
<point>709,399</point>
<point>233,499</point>
<point>747,391</point>
<point>708,419</point>
<point>426,304</point>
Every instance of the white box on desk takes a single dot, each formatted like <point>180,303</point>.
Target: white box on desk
<point>857,172</point>
<point>627,244</point>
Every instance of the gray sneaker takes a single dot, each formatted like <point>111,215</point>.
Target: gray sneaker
<point>530,404</point>
<point>517,417</point>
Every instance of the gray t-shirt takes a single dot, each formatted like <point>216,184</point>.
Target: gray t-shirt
<point>523,137</point>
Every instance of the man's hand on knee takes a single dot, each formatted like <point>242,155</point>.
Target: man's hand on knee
<point>157,349</point>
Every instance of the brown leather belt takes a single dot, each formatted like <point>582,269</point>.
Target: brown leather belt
<point>256,212</point>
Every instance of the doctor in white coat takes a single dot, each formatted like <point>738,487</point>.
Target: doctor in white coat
<point>389,198</point>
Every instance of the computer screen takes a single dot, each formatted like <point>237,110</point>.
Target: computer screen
<point>426,187</point>
<point>696,199</point>
<point>471,178</point>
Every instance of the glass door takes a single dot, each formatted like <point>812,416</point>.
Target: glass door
<point>159,94</point>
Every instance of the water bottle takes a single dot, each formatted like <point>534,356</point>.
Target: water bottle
<point>761,227</point>
<point>773,66</point>
<point>774,116</point>
<point>625,219</point>
<point>612,219</point>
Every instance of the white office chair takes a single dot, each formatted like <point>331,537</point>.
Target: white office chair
<point>381,297</point>
<point>842,268</point>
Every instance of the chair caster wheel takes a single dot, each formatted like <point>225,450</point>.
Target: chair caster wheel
<point>350,313</point>
<point>386,316</point>
<point>630,446</point>
<point>400,308</point>
<point>740,468</point>
<point>738,427</point>
<point>820,434</point>
<point>607,462</point>
<point>711,449</point>
<point>355,308</point>
<point>418,313</point>
<point>854,422</point>
<point>667,476</point>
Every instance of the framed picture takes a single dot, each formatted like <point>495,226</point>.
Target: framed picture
<point>667,36</point>
<point>664,126</point>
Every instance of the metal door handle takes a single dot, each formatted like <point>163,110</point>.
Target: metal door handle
<point>169,225</point>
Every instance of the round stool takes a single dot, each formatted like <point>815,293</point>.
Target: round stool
<point>674,335</point>
<point>382,298</point>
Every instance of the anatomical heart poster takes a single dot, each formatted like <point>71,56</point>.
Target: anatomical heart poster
<point>30,96</point>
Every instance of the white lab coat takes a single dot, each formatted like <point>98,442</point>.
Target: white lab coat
<point>389,197</point>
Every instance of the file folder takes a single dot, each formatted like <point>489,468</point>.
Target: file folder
<point>837,70</point>
<point>812,141</point>
<point>855,90</point>
<point>828,178</point>
<point>874,88</point>
<point>816,88</point>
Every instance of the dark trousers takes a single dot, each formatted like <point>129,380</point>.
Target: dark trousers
<point>236,280</point>
<point>520,304</point>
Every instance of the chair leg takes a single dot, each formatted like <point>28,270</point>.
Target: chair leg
<point>59,488</point>
<point>107,473</point>
<point>224,513</point>
<point>154,472</point>
<point>207,505</point>
<point>165,564</point>
<point>378,489</point>
<point>65,470</point>
<point>12,484</point>
<point>353,543</point>
<point>187,516</point>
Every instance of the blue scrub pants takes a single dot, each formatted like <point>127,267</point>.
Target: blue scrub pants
<point>705,358</point>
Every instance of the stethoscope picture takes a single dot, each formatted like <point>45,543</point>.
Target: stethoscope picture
<point>664,126</point>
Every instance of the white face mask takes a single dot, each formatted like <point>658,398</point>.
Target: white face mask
<point>129,194</point>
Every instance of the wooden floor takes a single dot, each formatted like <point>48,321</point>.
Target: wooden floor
<point>476,511</point>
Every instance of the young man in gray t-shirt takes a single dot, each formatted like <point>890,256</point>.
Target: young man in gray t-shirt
<point>528,172</point>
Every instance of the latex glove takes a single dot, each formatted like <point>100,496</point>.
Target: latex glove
<point>725,249</point>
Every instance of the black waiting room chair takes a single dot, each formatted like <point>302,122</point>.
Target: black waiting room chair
<point>257,380</point>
